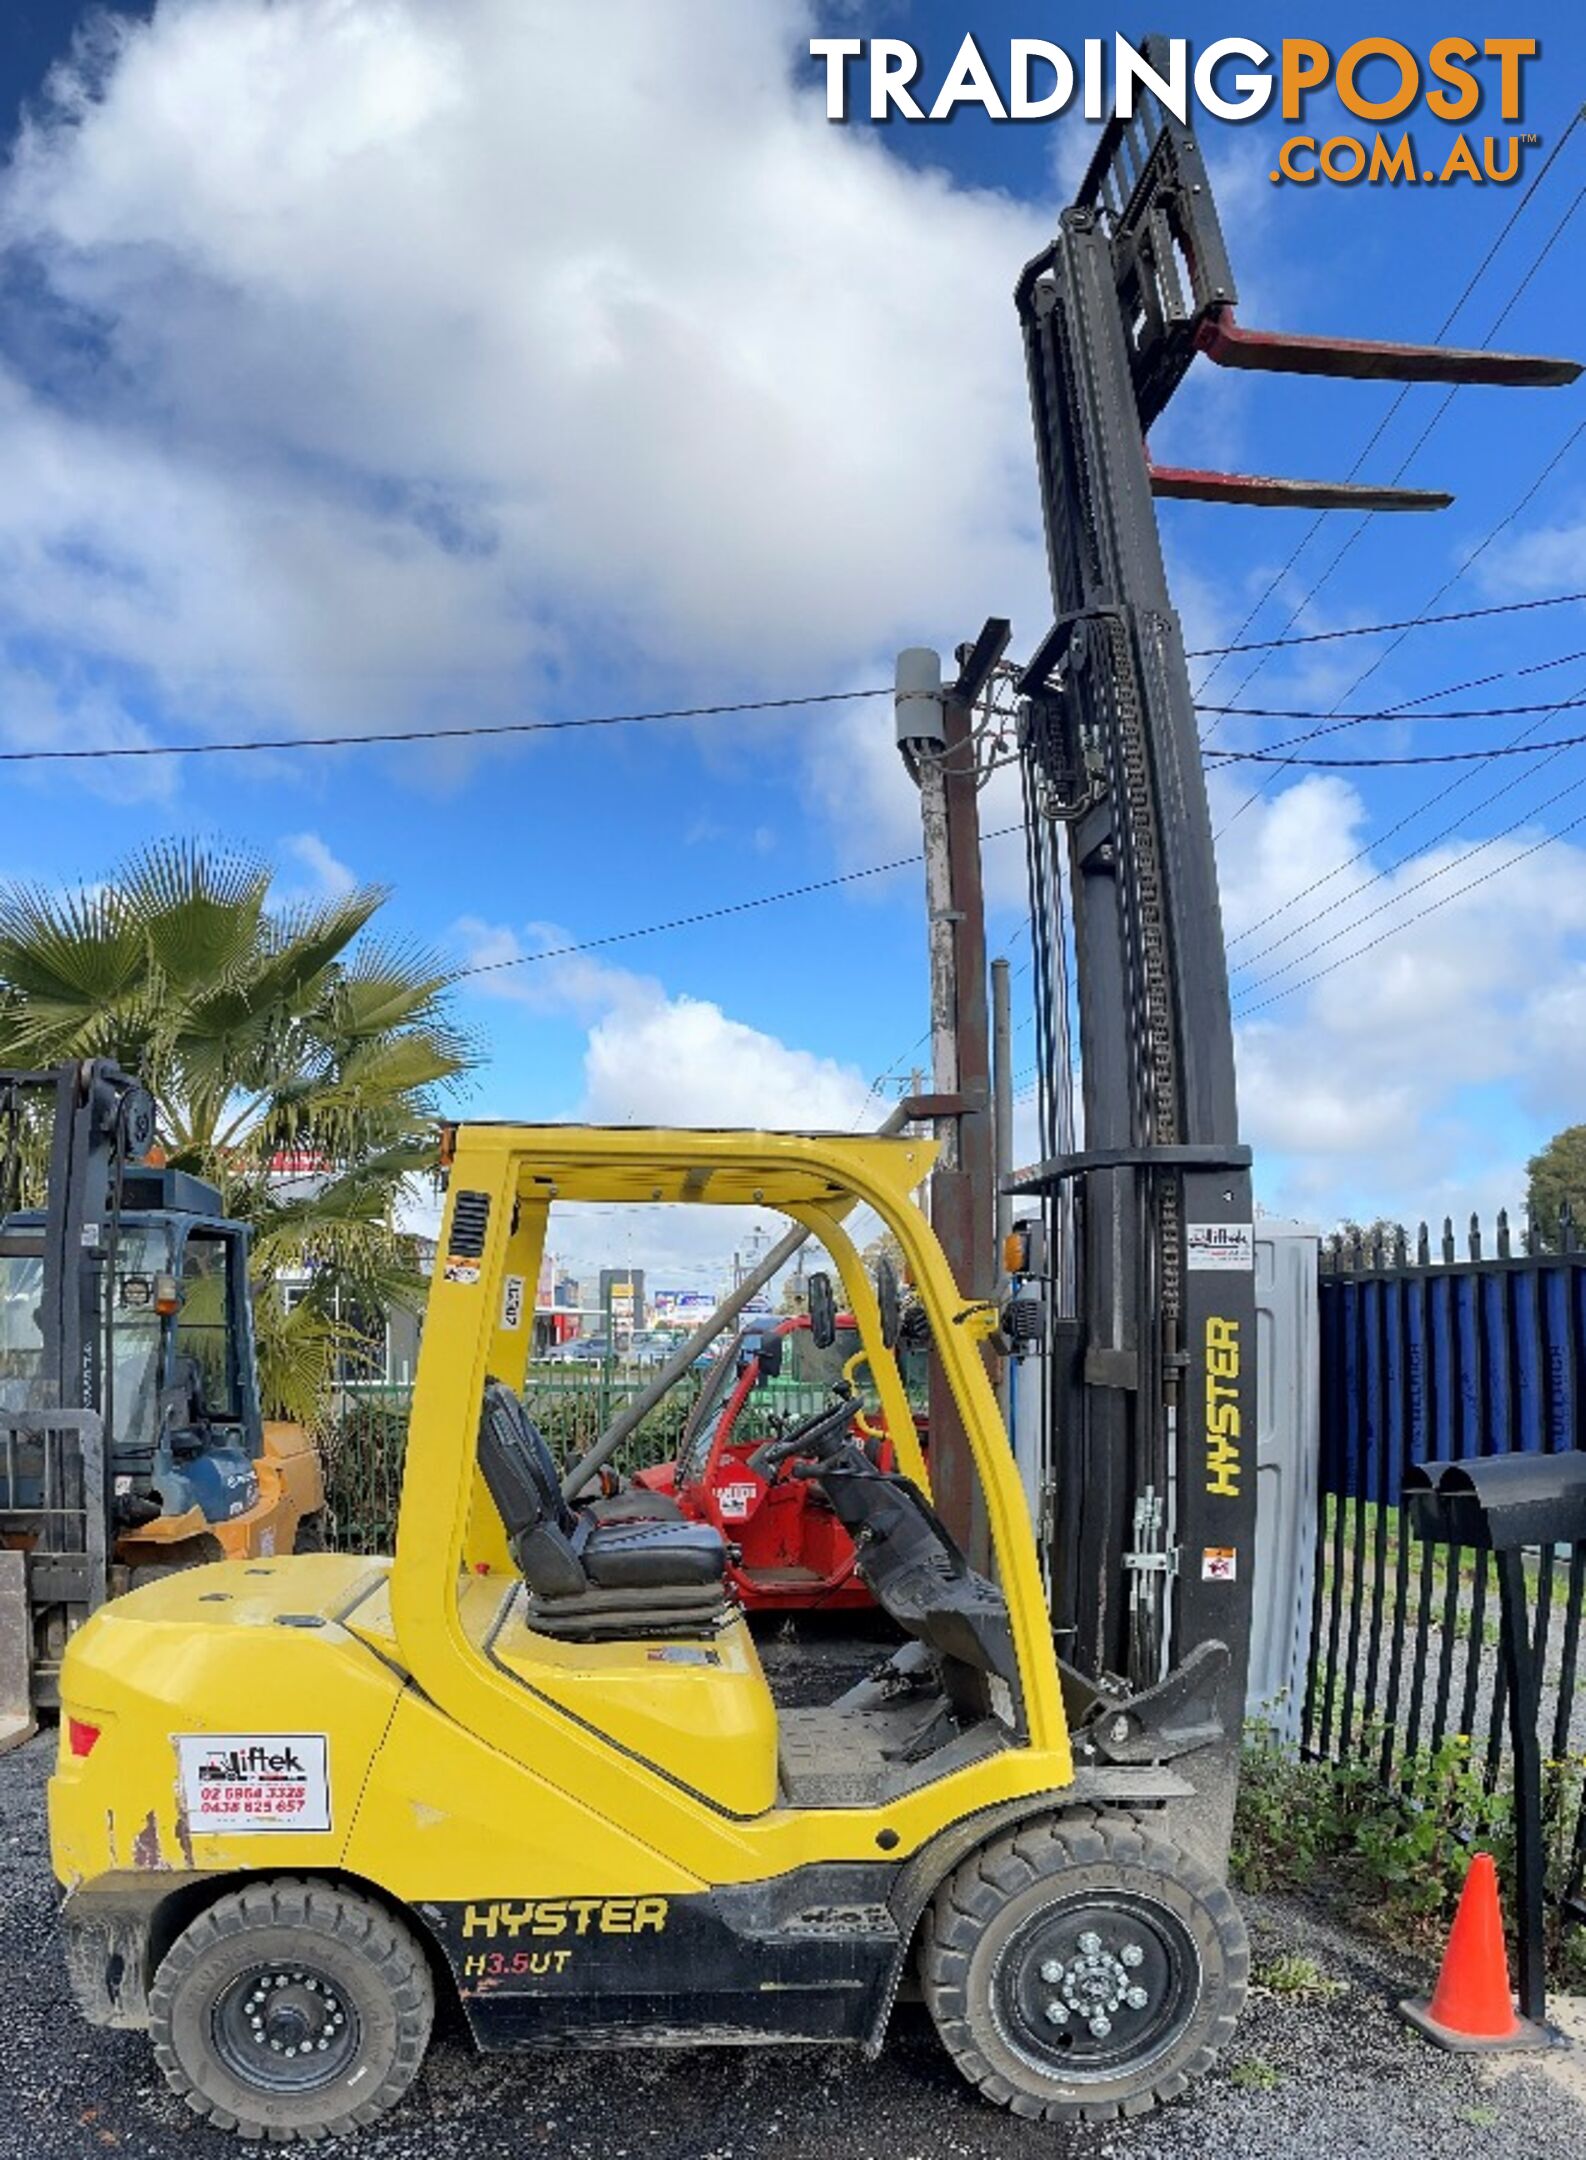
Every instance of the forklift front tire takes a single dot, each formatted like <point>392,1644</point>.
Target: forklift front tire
<point>1077,1970</point>
<point>291,2009</point>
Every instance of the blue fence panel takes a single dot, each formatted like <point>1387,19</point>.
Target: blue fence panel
<point>1428,1362</point>
<point>1424,1359</point>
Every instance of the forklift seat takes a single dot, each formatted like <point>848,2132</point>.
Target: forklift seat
<point>567,1555</point>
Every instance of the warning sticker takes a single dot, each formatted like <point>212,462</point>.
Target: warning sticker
<point>461,1271</point>
<point>735,1501</point>
<point>1219,1563</point>
<point>1227,1246</point>
<point>512,1303</point>
<point>254,1781</point>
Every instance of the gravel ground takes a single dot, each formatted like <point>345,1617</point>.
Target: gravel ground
<point>1337,2077</point>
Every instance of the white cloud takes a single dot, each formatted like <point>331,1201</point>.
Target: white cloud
<point>378,395</point>
<point>332,879</point>
<point>658,1059</point>
<point>1419,1073</point>
<point>653,1058</point>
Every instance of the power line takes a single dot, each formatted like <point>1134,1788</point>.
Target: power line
<point>1572,787</point>
<point>1386,712</point>
<point>1413,622</point>
<point>1363,854</point>
<point>1448,583</point>
<point>1442,794</point>
<point>438,735</point>
<point>715,914</point>
<point>721,709</point>
<point>1394,408</point>
<point>1424,757</point>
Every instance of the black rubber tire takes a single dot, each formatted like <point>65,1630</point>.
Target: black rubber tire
<point>311,1534</point>
<point>996,1898</point>
<point>355,1944</point>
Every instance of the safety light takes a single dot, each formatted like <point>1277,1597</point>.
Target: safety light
<point>81,1737</point>
<point>167,1294</point>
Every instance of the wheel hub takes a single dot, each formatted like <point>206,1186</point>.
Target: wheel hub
<point>285,2027</point>
<point>1093,1988</point>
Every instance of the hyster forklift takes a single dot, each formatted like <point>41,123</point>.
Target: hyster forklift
<point>532,1763</point>
<point>131,1440</point>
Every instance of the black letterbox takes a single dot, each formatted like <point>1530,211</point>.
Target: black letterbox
<point>1496,1503</point>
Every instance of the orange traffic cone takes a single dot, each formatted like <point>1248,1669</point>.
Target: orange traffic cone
<point>1471,2007</point>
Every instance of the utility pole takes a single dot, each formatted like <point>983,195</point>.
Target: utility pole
<point>936,736</point>
<point>1002,1139</point>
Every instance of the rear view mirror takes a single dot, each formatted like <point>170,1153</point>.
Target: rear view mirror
<point>823,1311</point>
<point>769,1351</point>
<point>889,1300</point>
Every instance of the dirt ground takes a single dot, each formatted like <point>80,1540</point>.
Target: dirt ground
<point>1332,2074</point>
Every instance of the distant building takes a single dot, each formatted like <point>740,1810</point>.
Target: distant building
<point>622,1304</point>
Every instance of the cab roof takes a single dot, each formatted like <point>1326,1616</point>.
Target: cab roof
<point>714,1166</point>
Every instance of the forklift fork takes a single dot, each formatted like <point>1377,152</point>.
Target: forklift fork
<point>1147,187</point>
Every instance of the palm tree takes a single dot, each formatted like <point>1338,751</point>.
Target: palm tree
<point>263,1033</point>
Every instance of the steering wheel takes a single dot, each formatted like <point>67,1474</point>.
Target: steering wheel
<point>815,1435</point>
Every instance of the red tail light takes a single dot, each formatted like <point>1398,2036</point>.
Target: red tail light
<point>81,1737</point>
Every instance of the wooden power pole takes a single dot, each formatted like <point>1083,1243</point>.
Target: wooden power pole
<point>936,736</point>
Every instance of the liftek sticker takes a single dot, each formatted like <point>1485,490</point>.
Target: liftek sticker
<point>512,1303</point>
<point>735,1501</point>
<point>1219,1563</point>
<point>254,1781</point>
<point>1228,1247</point>
<point>461,1271</point>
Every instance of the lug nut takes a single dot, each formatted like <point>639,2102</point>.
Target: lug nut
<point>1100,2025</point>
<point>1051,1972</point>
<point>1132,1954</point>
<point>1057,2013</point>
<point>1137,1998</point>
<point>1089,1943</point>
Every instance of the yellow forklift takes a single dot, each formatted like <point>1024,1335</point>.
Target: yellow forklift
<point>532,1763</point>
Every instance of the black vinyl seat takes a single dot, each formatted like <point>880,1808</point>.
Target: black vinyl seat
<point>598,1577</point>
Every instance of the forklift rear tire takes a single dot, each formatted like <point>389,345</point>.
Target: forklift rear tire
<point>1077,1970</point>
<point>291,2009</point>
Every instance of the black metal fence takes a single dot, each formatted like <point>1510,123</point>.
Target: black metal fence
<point>1430,1352</point>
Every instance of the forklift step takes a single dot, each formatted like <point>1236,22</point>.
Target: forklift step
<point>782,1578</point>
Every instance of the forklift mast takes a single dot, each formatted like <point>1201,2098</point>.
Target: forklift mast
<point>103,1120</point>
<point>1146,1233</point>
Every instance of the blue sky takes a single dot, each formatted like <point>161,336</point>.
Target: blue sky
<point>437,364</point>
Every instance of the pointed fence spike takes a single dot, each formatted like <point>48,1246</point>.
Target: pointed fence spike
<point>1475,1236</point>
<point>1503,1233</point>
<point>1448,1241</point>
<point>1423,1247</point>
<point>1401,1246</point>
